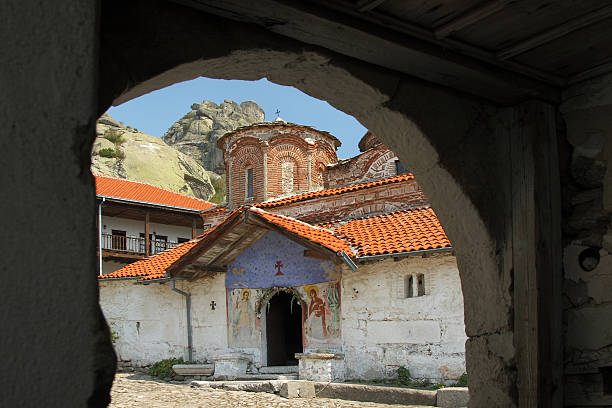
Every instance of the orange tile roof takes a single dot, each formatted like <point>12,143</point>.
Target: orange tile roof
<point>147,193</point>
<point>154,265</point>
<point>334,191</point>
<point>401,231</point>
<point>318,235</point>
<point>407,230</point>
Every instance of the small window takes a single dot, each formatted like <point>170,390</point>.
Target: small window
<point>287,177</point>
<point>249,183</point>
<point>399,168</point>
<point>181,240</point>
<point>408,286</point>
<point>420,284</point>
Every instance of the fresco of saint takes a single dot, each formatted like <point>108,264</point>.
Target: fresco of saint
<point>315,317</point>
<point>243,319</point>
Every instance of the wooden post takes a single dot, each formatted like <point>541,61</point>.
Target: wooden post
<point>147,240</point>
<point>536,231</point>
<point>193,228</point>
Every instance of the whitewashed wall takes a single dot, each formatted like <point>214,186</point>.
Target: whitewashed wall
<point>383,329</point>
<point>151,320</point>
<point>133,228</point>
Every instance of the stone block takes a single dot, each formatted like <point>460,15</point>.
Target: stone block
<point>231,366</point>
<point>297,389</point>
<point>321,366</point>
<point>452,397</point>
<point>193,369</point>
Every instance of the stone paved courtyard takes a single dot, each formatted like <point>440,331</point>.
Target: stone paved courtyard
<point>139,390</point>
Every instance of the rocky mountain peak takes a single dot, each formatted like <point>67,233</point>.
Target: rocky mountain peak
<point>197,132</point>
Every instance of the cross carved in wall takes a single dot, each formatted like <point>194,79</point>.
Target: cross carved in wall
<point>278,265</point>
<point>213,305</point>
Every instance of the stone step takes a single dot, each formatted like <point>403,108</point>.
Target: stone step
<point>262,377</point>
<point>279,369</point>
<point>194,369</point>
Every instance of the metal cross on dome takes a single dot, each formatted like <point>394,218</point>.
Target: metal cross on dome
<point>278,265</point>
<point>277,113</point>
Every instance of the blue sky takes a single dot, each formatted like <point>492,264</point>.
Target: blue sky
<point>155,112</point>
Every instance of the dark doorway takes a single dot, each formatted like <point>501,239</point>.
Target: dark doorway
<point>283,330</point>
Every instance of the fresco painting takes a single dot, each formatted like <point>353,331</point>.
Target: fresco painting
<point>275,260</point>
<point>243,326</point>
<point>321,319</point>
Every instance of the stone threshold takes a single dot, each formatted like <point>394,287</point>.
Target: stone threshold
<point>452,397</point>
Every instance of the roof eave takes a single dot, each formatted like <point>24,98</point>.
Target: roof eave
<point>403,254</point>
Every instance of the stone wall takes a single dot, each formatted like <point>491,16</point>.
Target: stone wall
<point>151,319</point>
<point>374,164</point>
<point>372,200</point>
<point>587,258</point>
<point>383,328</point>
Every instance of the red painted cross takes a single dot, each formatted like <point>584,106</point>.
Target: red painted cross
<point>278,265</point>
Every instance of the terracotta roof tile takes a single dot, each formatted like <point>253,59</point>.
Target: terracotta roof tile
<point>310,232</point>
<point>334,191</point>
<point>153,265</point>
<point>407,230</point>
<point>135,190</point>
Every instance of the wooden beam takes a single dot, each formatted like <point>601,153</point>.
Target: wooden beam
<point>429,60</point>
<point>247,235</point>
<point>146,234</point>
<point>309,253</point>
<point>593,72</point>
<point>537,253</point>
<point>368,5</point>
<point>470,17</point>
<point>204,244</point>
<point>556,32</point>
<point>193,228</point>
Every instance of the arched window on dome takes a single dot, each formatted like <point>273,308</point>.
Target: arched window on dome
<point>287,177</point>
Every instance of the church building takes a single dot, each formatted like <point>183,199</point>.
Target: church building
<point>328,269</point>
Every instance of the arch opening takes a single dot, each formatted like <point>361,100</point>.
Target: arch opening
<point>408,124</point>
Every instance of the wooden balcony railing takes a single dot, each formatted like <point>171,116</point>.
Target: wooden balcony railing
<point>135,245</point>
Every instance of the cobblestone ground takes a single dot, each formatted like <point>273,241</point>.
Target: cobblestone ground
<point>139,390</point>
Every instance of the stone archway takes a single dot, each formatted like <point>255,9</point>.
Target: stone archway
<point>447,139</point>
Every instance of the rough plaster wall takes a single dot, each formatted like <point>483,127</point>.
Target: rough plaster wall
<point>382,328</point>
<point>151,319</point>
<point>448,156</point>
<point>587,111</point>
<point>54,343</point>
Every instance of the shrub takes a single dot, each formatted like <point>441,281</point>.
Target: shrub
<point>107,152</point>
<point>114,335</point>
<point>403,376</point>
<point>111,153</point>
<point>462,382</point>
<point>163,369</point>
<point>115,137</point>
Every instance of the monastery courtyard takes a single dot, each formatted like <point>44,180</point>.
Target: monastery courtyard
<point>140,390</point>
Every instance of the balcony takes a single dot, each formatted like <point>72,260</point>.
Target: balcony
<point>118,246</point>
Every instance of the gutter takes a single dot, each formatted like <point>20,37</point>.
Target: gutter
<point>188,307</point>
<point>347,260</point>
<point>403,254</point>
<point>100,234</point>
